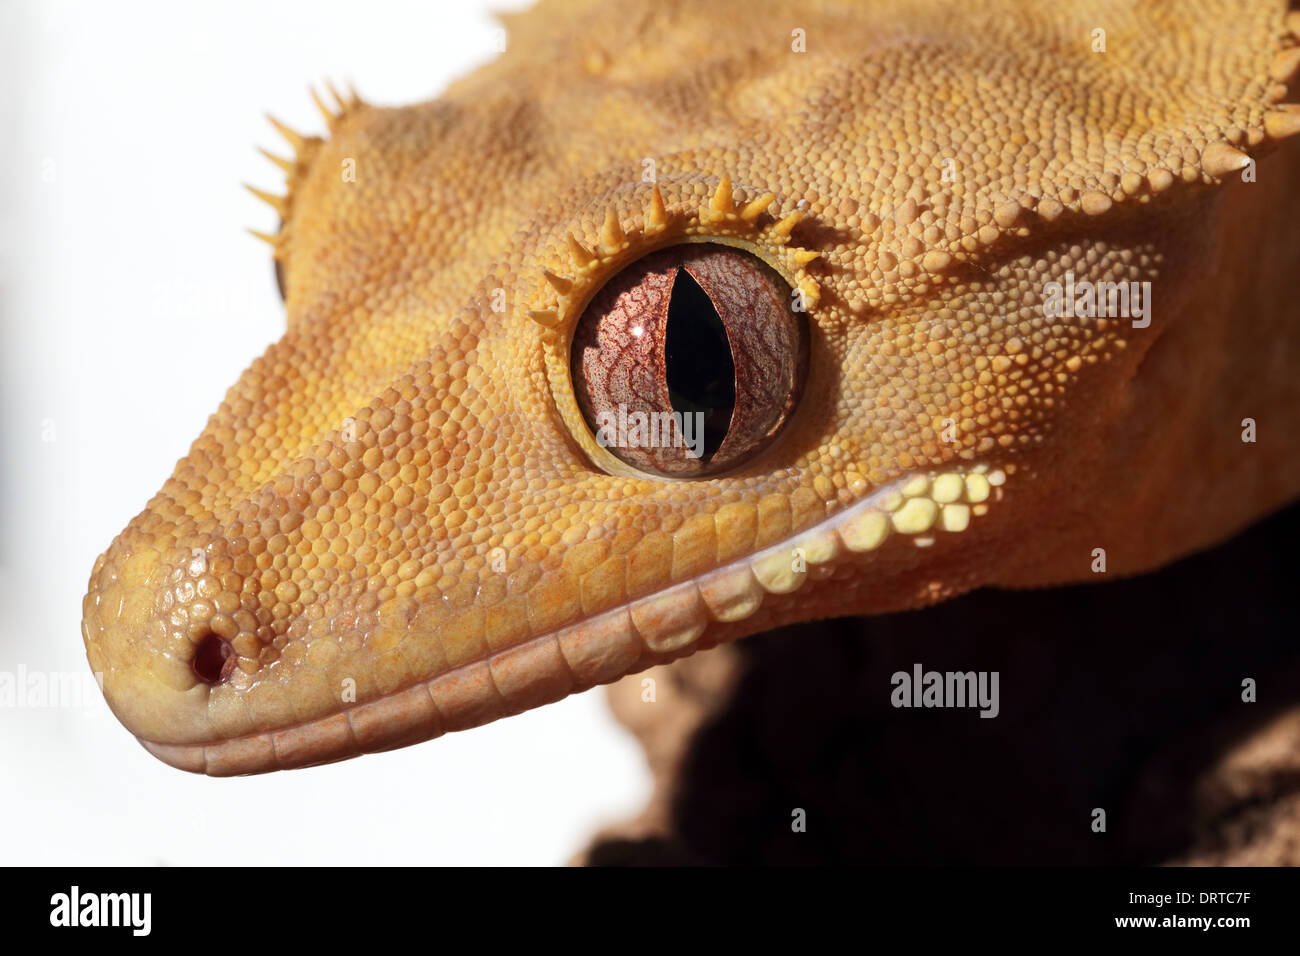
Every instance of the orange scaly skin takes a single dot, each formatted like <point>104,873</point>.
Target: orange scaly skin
<point>398,519</point>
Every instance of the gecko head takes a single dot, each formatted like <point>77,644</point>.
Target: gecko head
<point>552,406</point>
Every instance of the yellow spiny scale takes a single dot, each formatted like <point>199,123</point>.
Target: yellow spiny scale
<point>581,253</point>
<point>270,240</point>
<point>330,116</point>
<point>612,236</point>
<point>812,294</point>
<point>352,101</point>
<point>547,318</point>
<point>656,216</point>
<point>1282,121</point>
<point>1220,159</point>
<point>754,209</point>
<point>559,283</point>
<point>344,105</point>
<point>619,246</point>
<point>721,201</point>
<point>1285,65</point>
<point>786,225</point>
<point>275,202</point>
<point>294,139</point>
<point>286,165</point>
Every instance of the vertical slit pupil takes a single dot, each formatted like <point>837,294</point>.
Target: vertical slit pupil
<point>700,369</point>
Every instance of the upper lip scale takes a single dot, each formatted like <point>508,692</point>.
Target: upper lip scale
<point>602,648</point>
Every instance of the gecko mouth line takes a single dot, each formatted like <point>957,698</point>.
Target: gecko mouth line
<point>642,633</point>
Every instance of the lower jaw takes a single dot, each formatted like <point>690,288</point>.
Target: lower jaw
<point>920,509</point>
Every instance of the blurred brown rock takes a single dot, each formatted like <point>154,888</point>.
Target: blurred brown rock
<point>1124,695</point>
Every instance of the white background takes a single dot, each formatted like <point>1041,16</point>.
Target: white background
<point>130,300</point>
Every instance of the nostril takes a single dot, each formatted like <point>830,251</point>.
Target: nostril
<point>214,658</point>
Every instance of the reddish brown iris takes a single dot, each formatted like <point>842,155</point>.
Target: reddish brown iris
<point>690,360</point>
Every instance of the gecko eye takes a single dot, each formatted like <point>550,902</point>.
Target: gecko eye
<point>690,360</point>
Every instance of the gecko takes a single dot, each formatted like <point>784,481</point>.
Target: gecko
<point>676,323</point>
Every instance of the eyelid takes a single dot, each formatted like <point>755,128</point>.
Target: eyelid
<point>584,258</point>
<point>586,255</point>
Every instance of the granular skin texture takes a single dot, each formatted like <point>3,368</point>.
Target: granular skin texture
<point>401,525</point>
